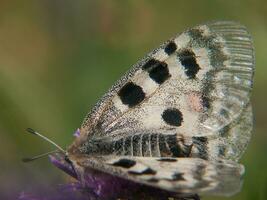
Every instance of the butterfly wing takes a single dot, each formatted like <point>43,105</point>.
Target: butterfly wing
<point>195,86</point>
<point>233,139</point>
<point>179,175</point>
<point>188,98</point>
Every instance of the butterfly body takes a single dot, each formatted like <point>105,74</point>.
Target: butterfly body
<point>180,119</point>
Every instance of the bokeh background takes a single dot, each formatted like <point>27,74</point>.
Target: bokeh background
<point>58,57</point>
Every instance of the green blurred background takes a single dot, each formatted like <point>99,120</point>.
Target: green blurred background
<point>58,57</point>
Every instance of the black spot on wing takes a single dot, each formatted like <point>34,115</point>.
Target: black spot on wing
<point>131,94</point>
<point>178,177</point>
<point>167,159</point>
<point>172,116</point>
<point>153,180</point>
<point>188,60</point>
<point>170,48</point>
<point>160,74</point>
<point>216,55</point>
<point>147,171</point>
<point>150,64</point>
<point>125,163</point>
<point>201,40</point>
<point>158,71</point>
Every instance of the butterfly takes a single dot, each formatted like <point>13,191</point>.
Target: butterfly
<point>180,119</point>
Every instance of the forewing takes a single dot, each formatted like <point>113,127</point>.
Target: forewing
<point>195,85</point>
<point>180,175</point>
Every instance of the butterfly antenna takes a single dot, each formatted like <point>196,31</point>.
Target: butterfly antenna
<point>38,156</point>
<point>46,139</point>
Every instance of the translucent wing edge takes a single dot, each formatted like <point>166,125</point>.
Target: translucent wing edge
<point>234,80</point>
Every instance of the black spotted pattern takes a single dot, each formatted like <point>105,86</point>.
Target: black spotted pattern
<point>167,160</point>
<point>131,94</point>
<point>172,116</point>
<point>170,48</point>
<point>153,180</point>
<point>147,171</point>
<point>125,163</point>
<point>178,177</point>
<point>188,60</point>
<point>216,54</point>
<point>158,71</point>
